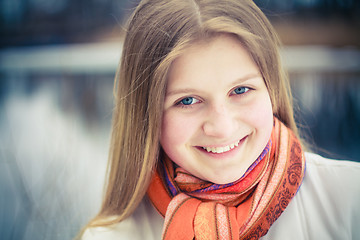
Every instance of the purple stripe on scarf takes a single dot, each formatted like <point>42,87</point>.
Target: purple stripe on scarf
<point>169,183</point>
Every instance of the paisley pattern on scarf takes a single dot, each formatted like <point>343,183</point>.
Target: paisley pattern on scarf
<point>245,209</point>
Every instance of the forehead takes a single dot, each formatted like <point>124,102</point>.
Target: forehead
<point>222,57</point>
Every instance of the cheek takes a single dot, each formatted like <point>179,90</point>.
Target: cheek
<point>264,113</point>
<point>265,118</point>
<point>260,115</point>
<point>176,130</point>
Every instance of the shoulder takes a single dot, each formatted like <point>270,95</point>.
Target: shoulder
<point>144,223</point>
<point>117,231</point>
<point>326,205</point>
<point>331,169</point>
<point>331,177</point>
<point>331,193</point>
<point>319,161</point>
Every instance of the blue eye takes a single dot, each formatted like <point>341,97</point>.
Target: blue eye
<point>187,101</point>
<point>241,90</point>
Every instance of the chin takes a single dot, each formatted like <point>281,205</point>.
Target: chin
<point>224,180</point>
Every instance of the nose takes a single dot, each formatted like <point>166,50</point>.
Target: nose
<point>220,121</point>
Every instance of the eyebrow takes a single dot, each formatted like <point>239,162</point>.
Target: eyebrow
<point>246,77</point>
<point>191,90</point>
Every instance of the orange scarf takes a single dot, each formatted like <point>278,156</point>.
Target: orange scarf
<point>246,209</point>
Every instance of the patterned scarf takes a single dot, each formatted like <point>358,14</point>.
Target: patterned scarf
<point>244,209</point>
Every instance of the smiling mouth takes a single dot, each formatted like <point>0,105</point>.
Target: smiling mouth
<point>222,149</point>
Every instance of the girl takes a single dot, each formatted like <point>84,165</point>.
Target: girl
<point>204,142</point>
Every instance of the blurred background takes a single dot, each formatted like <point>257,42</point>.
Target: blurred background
<point>57,64</point>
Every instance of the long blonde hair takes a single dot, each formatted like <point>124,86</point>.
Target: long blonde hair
<point>158,31</point>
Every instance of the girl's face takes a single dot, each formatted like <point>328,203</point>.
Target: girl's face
<point>217,115</point>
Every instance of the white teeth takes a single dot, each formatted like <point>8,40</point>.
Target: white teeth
<point>221,149</point>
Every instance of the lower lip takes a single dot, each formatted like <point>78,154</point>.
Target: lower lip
<point>227,154</point>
